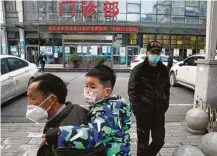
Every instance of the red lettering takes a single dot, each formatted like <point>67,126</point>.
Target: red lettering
<point>62,28</point>
<point>54,28</point>
<point>75,28</point>
<point>92,28</point>
<point>88,9</point>
<point>83,28</point>
<point>110,9</point>
<point>61,2</point>
<point>50,28</point>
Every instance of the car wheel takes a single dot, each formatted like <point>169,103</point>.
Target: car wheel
<point>173,79</point>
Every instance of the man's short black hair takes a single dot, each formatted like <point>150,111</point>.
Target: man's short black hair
<point>52,84</point>
<point>105,74</point>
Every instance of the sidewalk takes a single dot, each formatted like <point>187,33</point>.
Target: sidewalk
<point>23,139</point>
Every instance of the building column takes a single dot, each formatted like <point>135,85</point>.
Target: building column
<point>19,6</point>
<point>3,33</point>
<point>206,82</point>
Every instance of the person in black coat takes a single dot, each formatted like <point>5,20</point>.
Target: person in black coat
<point>170,62</point>
<point>42,60</point>
<point>149,92</point>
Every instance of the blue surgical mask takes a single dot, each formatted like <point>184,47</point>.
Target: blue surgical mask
<point>154,58</point>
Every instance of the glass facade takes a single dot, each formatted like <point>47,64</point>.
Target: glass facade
<point>185,12</point>
<point>156,20</point>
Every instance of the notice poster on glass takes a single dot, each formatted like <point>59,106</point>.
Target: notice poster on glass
<point>79,48</point>
<point>49,50</point>
<point>189,52</point>
<point>176,52</point>
<point>13,50</point>
<point>104,49</point>
<point>163,51</point>
<point>84,49</point>
<point>56,51</point>
<point>67,49</point>
<point>122,51</point>
<point>93,50</point>
<point>42,49</point>
<point>122,55</point>
<point>109,49</point>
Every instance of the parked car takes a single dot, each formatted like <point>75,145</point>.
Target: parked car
<point>184,72</point>
<point>141,57</point>
<point>16,75</point>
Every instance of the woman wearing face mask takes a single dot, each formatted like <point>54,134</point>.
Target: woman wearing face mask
<point>46,103</point>
<point>149,92</point>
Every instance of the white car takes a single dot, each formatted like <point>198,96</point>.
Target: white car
<point>16,74</point>
<point>141,57</point>
<point>184,72</point>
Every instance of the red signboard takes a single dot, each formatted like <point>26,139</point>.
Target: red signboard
<point>89,8</point>
<point>93,29</point>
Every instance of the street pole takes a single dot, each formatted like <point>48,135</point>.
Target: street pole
<point>206,87</point>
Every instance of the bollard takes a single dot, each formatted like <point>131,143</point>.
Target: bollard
<point>187,150</point>
<point>197,121</point>
<point>209,144</point>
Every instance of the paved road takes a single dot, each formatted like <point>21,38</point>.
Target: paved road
<point>180,101</point>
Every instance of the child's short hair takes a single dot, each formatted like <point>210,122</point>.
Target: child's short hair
<point>105,74</point>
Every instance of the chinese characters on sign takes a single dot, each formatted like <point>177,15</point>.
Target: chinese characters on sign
<point>61,7</point>
<point>92,29</point>
<point>110,9</point>
<point>89,8</point>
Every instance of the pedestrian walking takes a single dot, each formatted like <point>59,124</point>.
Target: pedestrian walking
<point>170,62</point>
<point>42,60</point>
<point>149,92</point>
<point>46,101</point>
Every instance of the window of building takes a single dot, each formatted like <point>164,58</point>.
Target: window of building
<point>133,8</point>
<point>148,18</point>
<point>133,17</point>
<point>147,38</point>
<point>164,40</point>
<point>201,42</point>
<point>163,18</point>
<point>178,11</point>
<point>191,20</point>
<point>192,3</point>
<point>163,9</point>
<point>178,19</point>
<point>149,7</point>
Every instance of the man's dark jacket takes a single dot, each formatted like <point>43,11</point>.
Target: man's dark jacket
<point>72,114</point>
<point>149,90</point>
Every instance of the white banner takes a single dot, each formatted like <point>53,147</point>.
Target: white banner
<point>79,49</point>
<point>122,51</point>
<point>189,52</point>
<point>67,49</point>
<point>84,49</point>
<point>176,52</point>
<point>93,50</point>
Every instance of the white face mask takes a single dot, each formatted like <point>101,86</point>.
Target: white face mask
<point>36,113</point>
<point>90,97</point>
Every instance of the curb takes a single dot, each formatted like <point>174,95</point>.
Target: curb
<point>79,70</point>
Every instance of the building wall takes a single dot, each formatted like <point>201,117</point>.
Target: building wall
<point>176,24</point>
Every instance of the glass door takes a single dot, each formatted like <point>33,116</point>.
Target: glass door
<point>32,54</point>
<point>131,52</point>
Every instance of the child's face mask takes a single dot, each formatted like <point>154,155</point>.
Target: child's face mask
<point>91,97</point>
